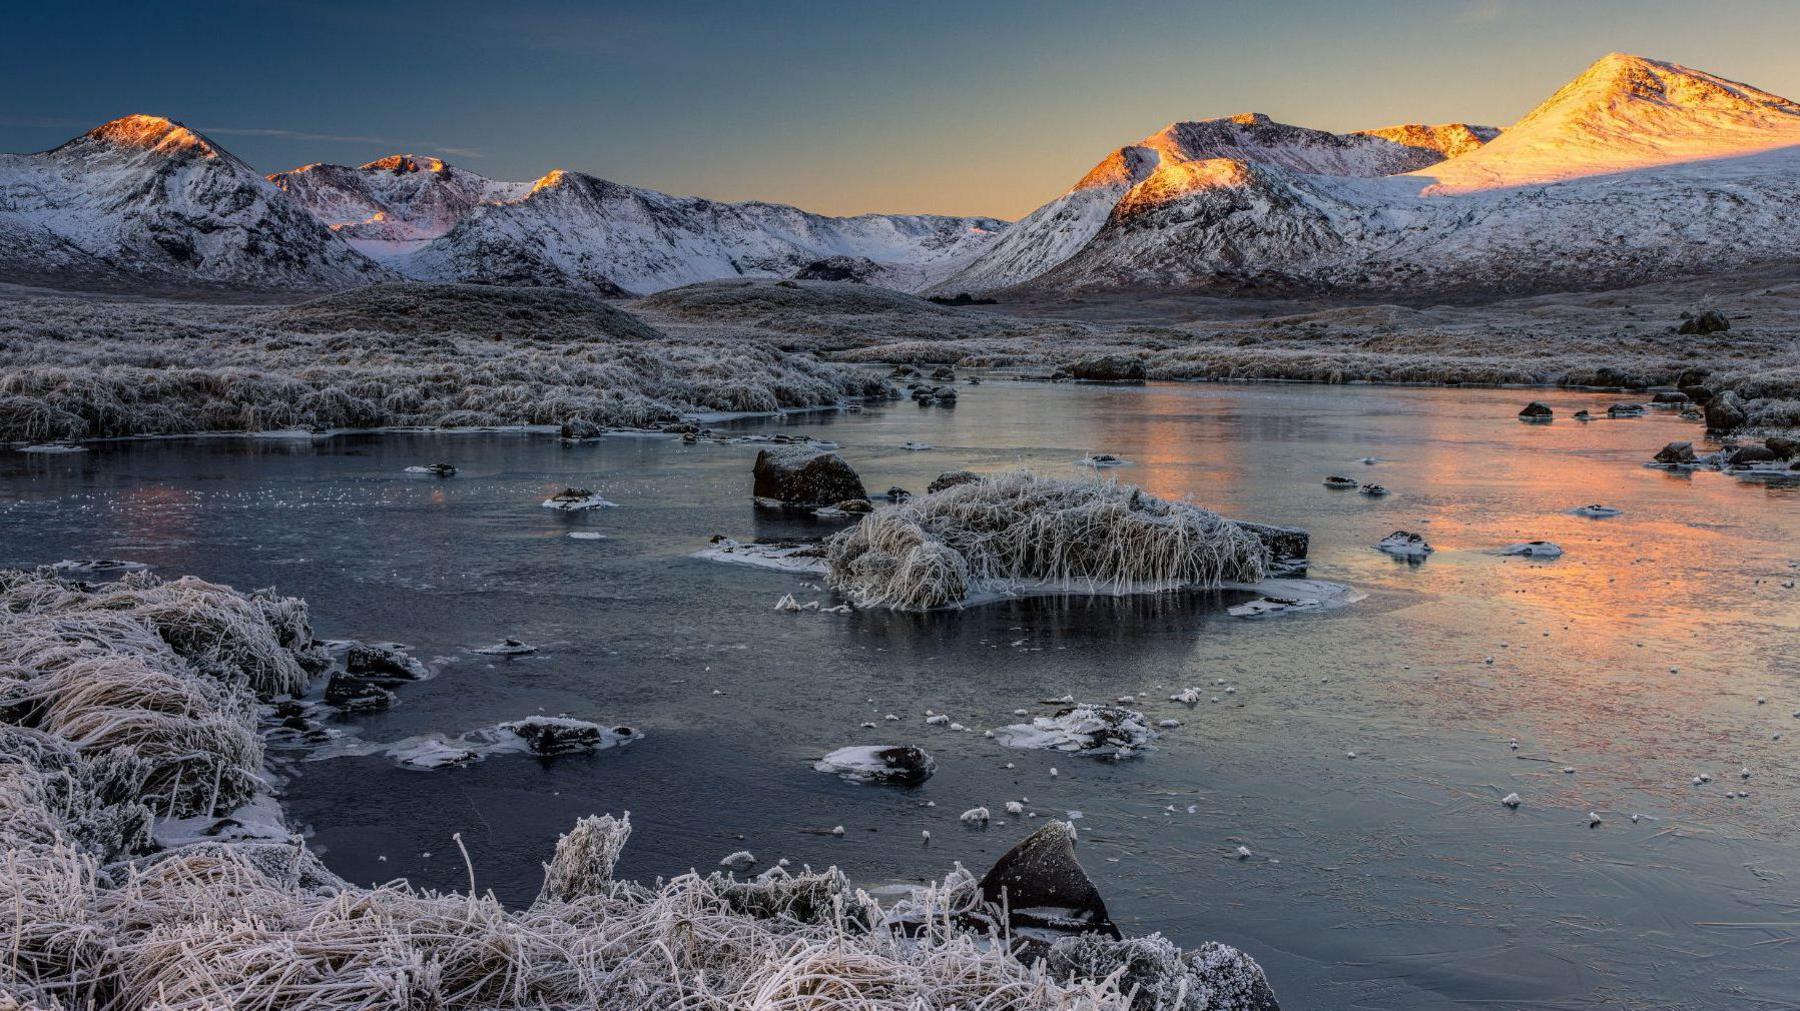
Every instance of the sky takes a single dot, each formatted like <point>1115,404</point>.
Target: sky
<point>840,107</point>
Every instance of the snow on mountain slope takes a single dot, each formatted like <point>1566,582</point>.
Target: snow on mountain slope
<point>395,204</point>
<point>144,197</point>
<point>1061,228</point>
<point>1636,168</point>
<point>574,229</point>
<point>1623,114</point>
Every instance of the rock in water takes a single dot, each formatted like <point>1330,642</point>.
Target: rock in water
<point>1676,454</point>
<point>1043,888</point>
<point>1402,544</point>
<point>1724,412</point>
<point>804,477</point>
<point>1106,369</point>
<point>1537,410</point>
<point>1533,549</point>
<point>1706,321</point>
<point>382,663</point>
<point>900,764</point>
<point>1337,483</point>
<point>1282,542</point>
<point>950,479</point>
<point>1100,731</point>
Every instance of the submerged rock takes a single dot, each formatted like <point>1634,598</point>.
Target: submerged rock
<point>1101,460</point>
<point>1374,490</point>
<point>804,477</point>
<point>1337,483</point>
<point>1044,890</point>
<point>1533,549</point>
<point>1597,511</point>
<point>574,500</point>
<point>1099,731</point>
<point>900,764</point>
<point>1537,410</point>
<point>507,647</point>
<point>1402,544</point>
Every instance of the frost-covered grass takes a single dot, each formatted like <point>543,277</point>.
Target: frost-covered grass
<point>1014,529</point>
<point>74,368</point>
<point>128,702</point>
<point>1613,338</point>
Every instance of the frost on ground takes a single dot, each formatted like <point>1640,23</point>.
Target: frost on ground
<point>1622,338</point>
<point>146,867</point>
<point>425,355</point>
<point>1018,531</point>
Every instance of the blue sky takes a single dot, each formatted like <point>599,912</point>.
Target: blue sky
<point>840,107</point>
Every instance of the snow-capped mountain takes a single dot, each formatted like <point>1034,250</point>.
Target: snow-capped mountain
<point>1636,168</point>
<point>144,197</point>
<point>1060,229</point>
<point>575,229</point>
<point>395,204</point>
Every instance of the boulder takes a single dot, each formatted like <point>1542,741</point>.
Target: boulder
<point>897,494</point>
<point>1537,410</point>
<point>900,764</point>
<point>1106,369</point>
<point>950,479</point>
<point>1282,542</point>
<point>1696,394</point>
<point>354,694</point>
<point>1669,397</point>
<point>1743,456</point>
<point>579,428</point>
<point>1724,412</point>
<point>1043,888</point>
<point>1703,322</point>
<point>560,735</point>
<point>804,477</point>
<point>1786,449</point>
<point>1625,410</point>
<point>382,663</point>
<point>1676,454</point>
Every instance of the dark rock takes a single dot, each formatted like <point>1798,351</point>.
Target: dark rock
<point>950,479</point>
<point>1745,455</point>
<point>382,663</point>
<point>579,428</point>
<point>354,694</point>
<point>561,735</point>
<point>1625,410</point>
<point>1043,887</point>
<point>1676,454</point>
<point>1697,394</point>
<point>1340,483</point>
<point>1583,415</point>
<point>1669,397</point>
<point>1707,321</point>
<point>1694,376</point>
<point>1786,449</point>
<point>897,494</point>
<point>1106,369</point>
<point>1282,542</point>
<point>854,269</point>
<point>1537,410</point>
<point>805,477</point>
<point>855,506</point>
<point>1724,412</point>
<point>943,373</point>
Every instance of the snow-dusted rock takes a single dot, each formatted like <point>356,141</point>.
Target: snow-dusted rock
<point>1533,549</point>
<point>574,500</point>
<point>899,763</point>
<point>1100,731</point>
<point>1402,544</point>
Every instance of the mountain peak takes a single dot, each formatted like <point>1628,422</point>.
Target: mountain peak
<point>1625,113</point>
<point>406,164</point>
<point>152,133</point>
